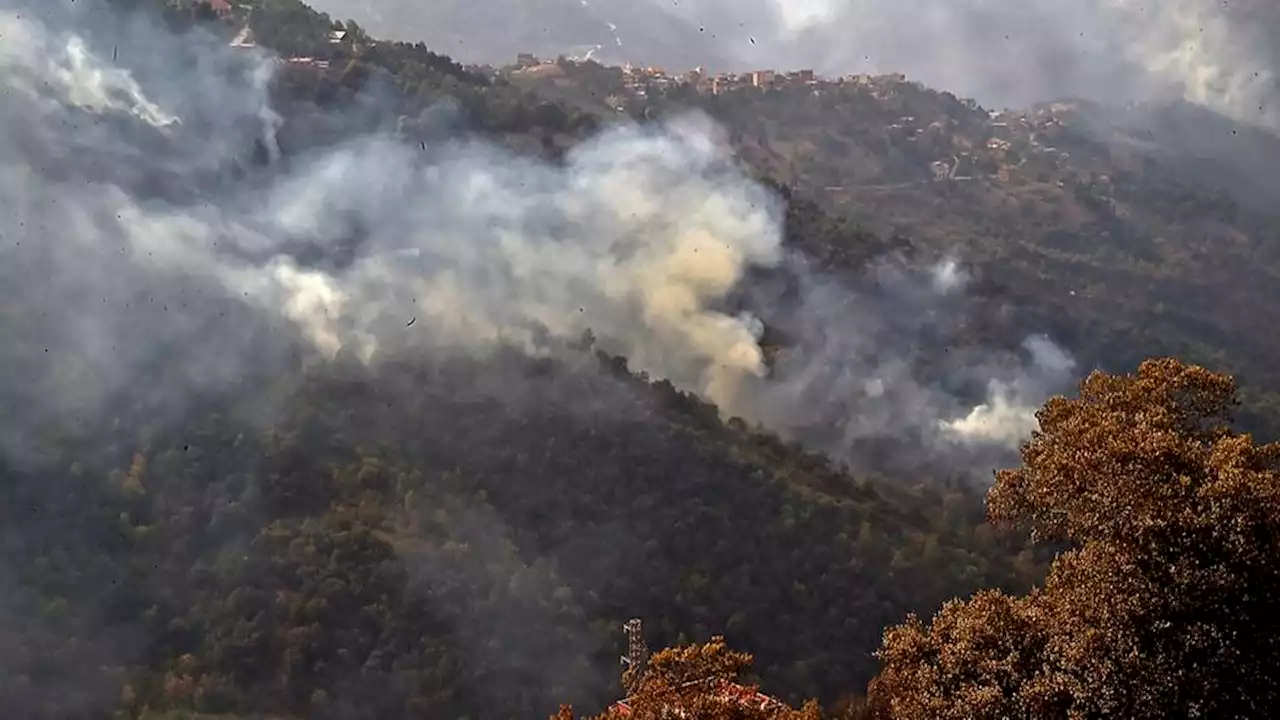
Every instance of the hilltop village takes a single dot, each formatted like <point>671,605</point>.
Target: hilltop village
<point>883,152</point>
<point>919,136</point>
<point>948,138</point>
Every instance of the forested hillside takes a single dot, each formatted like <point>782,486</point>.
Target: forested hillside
<point>444,540</point>
<point>1156,609</point>
<point>1115,249</point>
<point>1122,231</point>
<point>461,534</point>
<point>426,536</point>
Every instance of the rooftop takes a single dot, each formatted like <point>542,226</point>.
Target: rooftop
<point>726,691</point>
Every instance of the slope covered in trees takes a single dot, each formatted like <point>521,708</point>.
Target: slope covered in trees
<point>437,537</point>
<point>1113,245</point>
<point>1161,607</point>
<point>437,540</point>
<point>1123,231</point>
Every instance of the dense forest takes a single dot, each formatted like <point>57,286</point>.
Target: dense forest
<point>446,536</point>
<point>532,527</point>
<point>1117,247</point>
<point>1159,608</point>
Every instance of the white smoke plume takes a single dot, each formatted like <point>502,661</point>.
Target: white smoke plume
<point>1005,416</point>
<point>1209,52</point>
<point>1017,52</point>
<point>879,367</point>
<point>133,284</point>
<point>635,237</point>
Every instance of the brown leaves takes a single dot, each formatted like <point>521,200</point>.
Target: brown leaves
<point>700,681</point>
<point>674,667</point>
<point>978,659</point>
<point>1113,462</point>
<point>1165,609</point>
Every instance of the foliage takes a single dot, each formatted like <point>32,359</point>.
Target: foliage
<point>700,681</point>
<point>437,539</point>
<point>403,542</point>
<point>1162,608</point>
<point>405,79</point>
<point>1075,218</point>
<point>1057,216</point>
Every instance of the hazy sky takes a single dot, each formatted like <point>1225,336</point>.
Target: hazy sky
<point>1002,52</point>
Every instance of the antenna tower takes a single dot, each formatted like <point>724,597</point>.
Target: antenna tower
<point>637,656</point>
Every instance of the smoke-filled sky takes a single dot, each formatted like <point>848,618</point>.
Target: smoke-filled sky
<point>140,268</point>
<point>1001,52</point>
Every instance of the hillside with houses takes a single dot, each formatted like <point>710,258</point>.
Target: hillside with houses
<point>1095,215</point>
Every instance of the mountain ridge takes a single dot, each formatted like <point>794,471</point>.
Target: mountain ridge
<point>1058,186</point>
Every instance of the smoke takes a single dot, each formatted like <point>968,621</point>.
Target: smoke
<point>138,275</point>
<point>634,237</point>
<point>639,236</point>
<point>108,284</point>
<point>884,371</point>
<point>1015,53</point>
<point>1004,417</point>
<point>1000,52</point>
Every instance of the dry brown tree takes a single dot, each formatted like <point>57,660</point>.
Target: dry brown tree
<point>699,682</point>
<point>1167,603</point>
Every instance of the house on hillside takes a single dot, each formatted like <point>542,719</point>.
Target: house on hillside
<point>307,62</point>
<point>694,76</point>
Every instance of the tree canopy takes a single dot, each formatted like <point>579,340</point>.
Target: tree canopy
<point>1164,604</point>
<point>1161,605</point>
<point>701,681</point>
